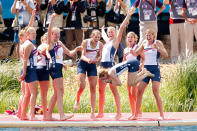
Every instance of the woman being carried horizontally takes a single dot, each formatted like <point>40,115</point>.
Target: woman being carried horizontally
<point>111,75</point>
<point>91,54</point>
<point>112,39</point>
<point>152,50</point>
<point>56,50</point>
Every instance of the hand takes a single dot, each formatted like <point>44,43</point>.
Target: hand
<point>103,27</point>
<point>156,46</point>
<point>53,16</point>
<point>131,11</point>
<point>193,21</point>
<point>65,67</point>
<point>90,61</point>
<point>22,77</point>
<point>33,12</point>
<point>94,61</point>
<point>189,20</point>
<point>78,48</point>
<point>24,2</point>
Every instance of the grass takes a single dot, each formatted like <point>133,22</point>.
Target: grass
<point>178,90</point>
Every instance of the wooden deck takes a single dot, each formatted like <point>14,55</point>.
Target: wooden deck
<point>83,120</point>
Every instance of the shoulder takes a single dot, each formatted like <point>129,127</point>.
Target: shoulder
<point>159,42</point>
<point>42,46</point>
<point>100,44</point>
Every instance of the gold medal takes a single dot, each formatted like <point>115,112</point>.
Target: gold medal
<point>57,57</point>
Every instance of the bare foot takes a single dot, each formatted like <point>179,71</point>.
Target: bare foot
<point>140,114</point>
<point>50,119</point>
<point>18,115</point>
<point>130,117</point>
<point>33,118</point>
<point>92,116</point>
<point>160,118</point>
<point>133,118</point>
<point>24,118</point>
<point>66,117</point>
<point>76,106</point>
<point>118,116</point>
<point>44,118</point>
<point>144,70</point>
<point>149,74</point>
<point>100,115</point>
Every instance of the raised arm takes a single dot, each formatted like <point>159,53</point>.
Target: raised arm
<point>31,22</point>
<point>122,27</point>
<point>104,35</point>
<point>109,5</point>
<point>13,8</point>
<point>50,28</point>
<point>28,7</point>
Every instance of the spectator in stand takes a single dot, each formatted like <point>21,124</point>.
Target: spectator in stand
<point>1,19</point>
<point>23,10</point>
<point>176,29</point>
<point>190,27</point>
<point>48,7</point>
<point>147,15</point>
<point>94,16</point>
<point>95,13</point>
<point>117,11</point>
<point>74,8</point>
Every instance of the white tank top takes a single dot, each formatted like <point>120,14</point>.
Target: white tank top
<point>151,54</point>
<point>108,52</point>
<point>130,56</point>
<point>90,52</point>
<point>32,61</point>
<point>42,61</point>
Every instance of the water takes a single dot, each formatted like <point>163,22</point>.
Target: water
<point>131,128</point>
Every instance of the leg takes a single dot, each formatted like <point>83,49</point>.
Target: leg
<point>174,42</point>
<point>182,40</point>
<point>117,100</point>
<point>189,38</point>
<point>102,86</point>
<point>33,86</point>
<point>92,83</point>
<point>25,102</point>
<point>82,84</point>
<point>155,88</point>
<point>21,99</point>
<point>58,83</point>
<point>52,103</point>
<point>142,32</point>
<point>141,88</point>
<point>135,77</point>
<point>44,86</point>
